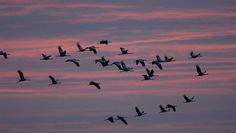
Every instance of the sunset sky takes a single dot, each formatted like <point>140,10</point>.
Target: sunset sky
<point>145,27</point>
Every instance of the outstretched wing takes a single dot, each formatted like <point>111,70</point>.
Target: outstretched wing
<point>199,71</point>
<point>124,121</point>
<point>21,74</point>
<point>162,108</point>
<point>186,98</point>
<point>143,63</point>
<point>137,110</point>
<point>159,65</point>
<point>52,79</point>
<point>60,49</point>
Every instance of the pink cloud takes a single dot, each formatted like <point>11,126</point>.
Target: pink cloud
<point>151,15</point>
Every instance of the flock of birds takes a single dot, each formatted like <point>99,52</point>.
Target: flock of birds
<point>139,113</point>
<point>122,66</point>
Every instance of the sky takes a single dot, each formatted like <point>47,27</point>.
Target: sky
<point>147,28</point>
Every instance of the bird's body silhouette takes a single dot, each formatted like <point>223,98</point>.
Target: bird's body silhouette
<point>188,100</point>
<point>81,49</point>
<point>106,42</point>
<point>22,77</point>
<point>75,61</point>
<point>146,77</point>
<point>46,57</point>
<point>169,59</point>
<point>53,80</point>
<point>125,67</point>
<point>124,51</point>
<point>139,113</point>
<point>200,72</point>
<point>163,110</point>
<point>121,118</point>
<point>110,119</point>
<point>93,49</point>
<point>141,61</point>
<point>62,52</point>
<point>157,63</point>
<point>97,85</point>
<point>104,62</point>
<point>195,55</point>
<point>173,107</point>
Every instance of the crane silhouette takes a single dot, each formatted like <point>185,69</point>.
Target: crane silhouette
<point>46,57</point>
<point>124,51</point>
<point>75,61</point>
<point>62,52</point>
<point>97,85</point>
<point>81,49</point>
<point>195,55</point>
<point>22,77</point>
<point>173,107</point>
<point>163,110</point>
<point>53,80</point>
<point>104,42</point>
<point>102,61</point>
<point>121,118</point>
<point>200,72</point>
<point>169,59</point>
<point>141,61</point>
<point>93,49</point>
<point>188,100</point>
<point>139,113</point>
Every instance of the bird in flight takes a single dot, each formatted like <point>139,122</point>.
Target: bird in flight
<point>188,100</point>
<point>195,55</point>
<point>22,77</point>
<point>81,49</point>
<point>200,72</point>
<point>93,49</point>
<point>169,59</point>
<point>124,51</point>
<point>141,61</point>
<point>104,42</point>
<point>139,113</point>
<point>53,80</point>
<point>104,62</point>
<point>62,52</point>
<point>97,85</point>
<point>173,107</point>
<point>121,118</point>
<point>163,110</point>
<point>46,57</point>
<point>75,61</point>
